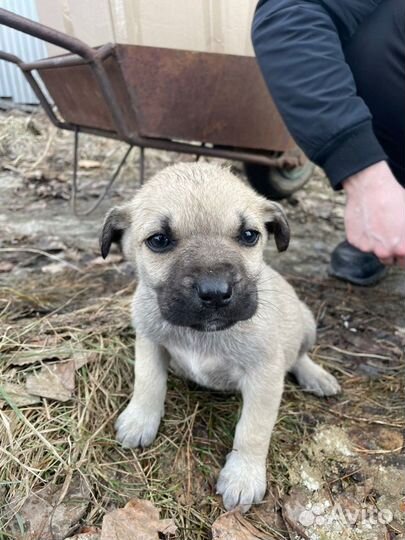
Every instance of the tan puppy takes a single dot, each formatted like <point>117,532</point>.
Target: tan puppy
<point>208,306</point>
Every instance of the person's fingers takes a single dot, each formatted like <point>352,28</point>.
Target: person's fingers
<point>400,261</point>
<point>400,252</point>
<point>384,254</point>
<point>360,243</point>
<point>399,255</point>
<point>387,260</point>
<point>397,260</point>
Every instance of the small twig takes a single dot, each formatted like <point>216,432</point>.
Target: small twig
<point>360,418</point>
<point>348,475</point>
<point>45,152</point>
<point>377,452</point>
<point>360,355</point>
<point>294,526</point>
<point>44,254</point>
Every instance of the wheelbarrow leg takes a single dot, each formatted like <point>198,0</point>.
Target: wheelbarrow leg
<point>141,164</point>
<point>197,156</point>
<point>73,198</point>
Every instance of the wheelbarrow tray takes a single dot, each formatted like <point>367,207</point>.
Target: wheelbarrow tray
<point>218,99</point>
<point>205,104</point>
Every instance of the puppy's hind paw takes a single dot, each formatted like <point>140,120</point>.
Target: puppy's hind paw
<point>315,379</point>
<point>137,426</point>
<point>241,482</point>
<point>324,385</point>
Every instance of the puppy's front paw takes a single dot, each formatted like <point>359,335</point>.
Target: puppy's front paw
<point>137,426</point>
<point>241,482</point>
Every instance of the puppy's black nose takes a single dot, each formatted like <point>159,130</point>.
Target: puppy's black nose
<point>214,291</point>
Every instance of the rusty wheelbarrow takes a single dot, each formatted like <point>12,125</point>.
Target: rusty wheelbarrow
<point>189,102</point>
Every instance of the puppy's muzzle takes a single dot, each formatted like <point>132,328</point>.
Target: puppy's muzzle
<point>214,291</point>
<point>207,298</point>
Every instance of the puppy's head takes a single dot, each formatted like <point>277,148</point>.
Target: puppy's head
<point>196,235</point>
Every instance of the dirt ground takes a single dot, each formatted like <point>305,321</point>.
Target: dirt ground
<point>336,467</point>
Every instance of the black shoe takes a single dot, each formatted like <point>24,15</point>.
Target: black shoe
<point>350,264</point>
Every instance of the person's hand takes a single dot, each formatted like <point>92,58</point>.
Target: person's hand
<point>375,213</point>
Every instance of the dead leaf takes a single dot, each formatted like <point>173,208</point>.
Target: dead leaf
<point>138,520</point>
<point>42,354</point>
<point>35,175</point>
<point>268,512</point>
<point>46,340</point>
<point>6,266</point>
<point>53,382</point>
<point>296,511</point>
<point>45,349</point>
<point>113,258</point>
<point>233,526</point>
<point>18,395</point>
<point>89,164</point>
<point>372,440</point>
<point>87,533</point>
<point>54,268</point>
<point>82,358</point>
<point>51,244</point>
<point>44,519</point>
<point>85,536</point>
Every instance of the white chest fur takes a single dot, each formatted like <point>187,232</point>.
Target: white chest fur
<point>207,370</point>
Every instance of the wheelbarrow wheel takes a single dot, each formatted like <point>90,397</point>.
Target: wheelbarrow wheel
<point>277,183</point>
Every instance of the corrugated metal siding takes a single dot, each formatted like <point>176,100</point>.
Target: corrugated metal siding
<point>12,82</point>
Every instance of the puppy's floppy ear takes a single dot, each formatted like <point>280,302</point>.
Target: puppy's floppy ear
<point>116,222</point>
<point>277,224</point>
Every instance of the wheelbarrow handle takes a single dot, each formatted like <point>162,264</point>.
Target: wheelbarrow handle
<point>38,30</point>
<point>10,58</point>
<point>76,46</point>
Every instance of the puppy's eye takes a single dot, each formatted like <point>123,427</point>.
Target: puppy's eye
<point>249,237</point>
<point>159,242</point>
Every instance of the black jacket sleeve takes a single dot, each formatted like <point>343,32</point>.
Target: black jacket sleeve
<point>299,47</point>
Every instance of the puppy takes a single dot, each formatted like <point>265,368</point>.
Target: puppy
<point>208,306</point>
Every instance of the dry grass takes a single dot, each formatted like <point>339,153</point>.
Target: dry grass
<point>53,441</point>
